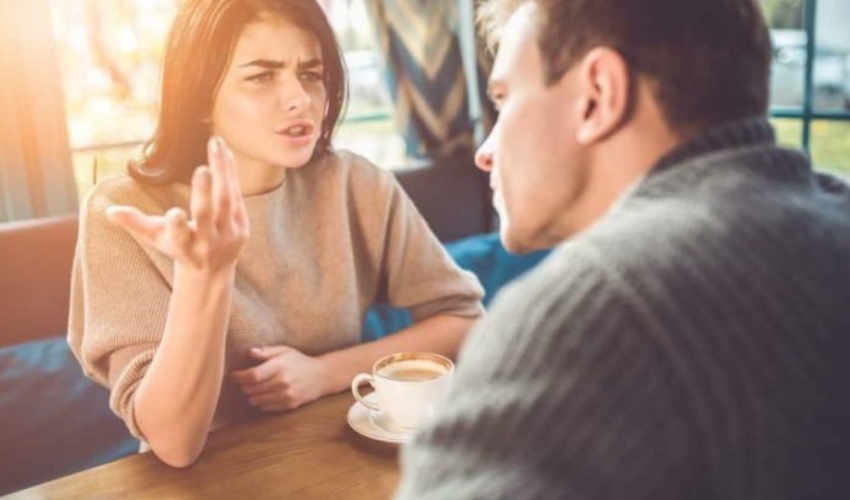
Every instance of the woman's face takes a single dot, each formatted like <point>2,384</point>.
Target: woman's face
<point>271,101</point>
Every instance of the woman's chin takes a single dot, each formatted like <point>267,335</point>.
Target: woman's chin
<point>296,159</point>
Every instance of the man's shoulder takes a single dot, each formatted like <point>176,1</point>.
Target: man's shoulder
<point>553,291</point>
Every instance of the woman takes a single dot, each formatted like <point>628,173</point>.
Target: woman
<point>248,294</point>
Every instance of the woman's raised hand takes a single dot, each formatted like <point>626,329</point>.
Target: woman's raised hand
<point>211,237</point>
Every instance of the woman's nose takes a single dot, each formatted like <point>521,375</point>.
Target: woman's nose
<point>294,97</point>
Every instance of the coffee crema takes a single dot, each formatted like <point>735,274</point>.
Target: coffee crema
<point>413,370</point>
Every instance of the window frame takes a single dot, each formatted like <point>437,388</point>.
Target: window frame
<point>807,114</point>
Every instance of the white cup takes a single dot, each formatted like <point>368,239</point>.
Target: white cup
<point>407,386</point>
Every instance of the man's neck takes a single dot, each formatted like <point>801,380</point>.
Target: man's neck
<point>620,163</point>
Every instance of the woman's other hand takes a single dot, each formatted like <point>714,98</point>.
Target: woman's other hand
<point>212,238</point>
<point>284,380</point>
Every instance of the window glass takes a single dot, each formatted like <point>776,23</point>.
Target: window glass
<point>110,53</point>
<point>789,131</point>
<point>830,145</point>
<point>828,137</point>
<point>831,80</point>
<point>787,33</point>
<point>368,128</point>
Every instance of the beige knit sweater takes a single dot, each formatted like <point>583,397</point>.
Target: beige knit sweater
<point>334,238</point>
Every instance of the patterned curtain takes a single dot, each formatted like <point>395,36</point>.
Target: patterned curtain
<point>419,42</point>
<point>36,177</point>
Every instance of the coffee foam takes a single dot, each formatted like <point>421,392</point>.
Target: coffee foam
<point>413,364</point>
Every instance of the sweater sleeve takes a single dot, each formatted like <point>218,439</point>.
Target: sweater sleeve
<point>419,273</point>
<point>119,299</point>
<point>558,394</point>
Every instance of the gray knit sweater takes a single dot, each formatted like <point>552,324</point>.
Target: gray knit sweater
<point>693,344</point>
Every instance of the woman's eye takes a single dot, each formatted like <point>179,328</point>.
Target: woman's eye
<point>311,76</point>
<point>265,76</point>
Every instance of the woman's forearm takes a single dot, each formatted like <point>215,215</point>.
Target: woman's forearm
<point>442,334</point>
<point>176,399</point>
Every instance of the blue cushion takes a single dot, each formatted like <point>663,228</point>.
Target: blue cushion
<point>53,420</point>
<point>484,255</point>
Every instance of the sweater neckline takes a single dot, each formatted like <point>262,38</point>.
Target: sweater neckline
<point>266,195</point>
<point>731,135</point>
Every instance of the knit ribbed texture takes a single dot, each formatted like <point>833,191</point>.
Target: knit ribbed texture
<point>693,344</point>
<point>334,238</point>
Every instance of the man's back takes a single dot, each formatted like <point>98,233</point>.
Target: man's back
<point>690,345</point>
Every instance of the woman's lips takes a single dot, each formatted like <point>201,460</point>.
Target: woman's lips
<point>297,133</point>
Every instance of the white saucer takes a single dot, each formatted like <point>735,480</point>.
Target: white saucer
<point>364,422</point>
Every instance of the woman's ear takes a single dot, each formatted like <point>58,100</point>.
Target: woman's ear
<point>604,94</point>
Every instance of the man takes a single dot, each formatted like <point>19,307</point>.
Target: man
<point>689,336</point>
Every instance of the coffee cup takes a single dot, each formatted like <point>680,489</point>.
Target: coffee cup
<point>407,386</point>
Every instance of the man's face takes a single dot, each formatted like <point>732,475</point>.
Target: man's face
<point>538,170</point>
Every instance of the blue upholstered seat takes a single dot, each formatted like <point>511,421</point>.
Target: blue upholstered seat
<point>53,420</point>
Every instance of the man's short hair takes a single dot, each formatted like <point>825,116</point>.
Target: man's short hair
<point>709,60</point>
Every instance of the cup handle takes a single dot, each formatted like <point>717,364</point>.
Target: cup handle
<point>359,379</point>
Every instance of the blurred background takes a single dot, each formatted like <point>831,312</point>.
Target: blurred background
<point>110,54</point>
<point>93,66</point>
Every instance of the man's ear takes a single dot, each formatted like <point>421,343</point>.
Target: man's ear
<point>604,85</point>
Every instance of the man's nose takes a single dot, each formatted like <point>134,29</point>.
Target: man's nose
<point>484,155</point>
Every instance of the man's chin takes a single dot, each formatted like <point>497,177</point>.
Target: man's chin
<point>517,243</point>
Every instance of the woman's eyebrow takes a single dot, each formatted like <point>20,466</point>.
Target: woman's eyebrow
<point>264,63</point>
<point>270,64</point>
<point>311,64</point>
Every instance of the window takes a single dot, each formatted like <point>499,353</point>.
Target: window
<point>111,53</point>
<point>810,80</point>
<point>368,128</point>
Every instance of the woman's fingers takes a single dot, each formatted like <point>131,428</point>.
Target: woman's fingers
<point>271,399</point>
<point>215,234</point>
<point>268,385</point>
<point>201,202</point>
<point>142,226</point>
<point>221,179</point>
<point>170,233</point>
<point>240,217</point>
<point>229,213</point>
<point>256,374</point>
<point>178,235</point>
<point>276,408</point>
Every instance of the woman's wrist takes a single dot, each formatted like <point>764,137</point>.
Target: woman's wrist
<point>207,277</point>
<point>337,378</point>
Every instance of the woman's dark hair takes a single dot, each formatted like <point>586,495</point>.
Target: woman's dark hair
<point>200,44</point>
<point>709,59</point>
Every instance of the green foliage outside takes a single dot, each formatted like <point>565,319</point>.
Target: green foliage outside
<point>783,14</point>
<point>830,141</point>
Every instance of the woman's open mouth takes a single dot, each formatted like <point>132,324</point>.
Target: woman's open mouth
<point>298,132</point>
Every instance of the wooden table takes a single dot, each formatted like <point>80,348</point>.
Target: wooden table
<point>309,453</point>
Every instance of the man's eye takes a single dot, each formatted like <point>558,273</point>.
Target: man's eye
<point>311,76</point>
<point>497,100</point>
<point>265,76</point>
